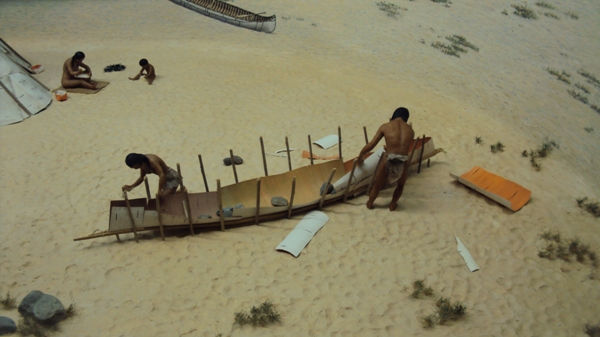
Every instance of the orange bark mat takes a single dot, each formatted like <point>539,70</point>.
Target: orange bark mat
<point>503,191</point>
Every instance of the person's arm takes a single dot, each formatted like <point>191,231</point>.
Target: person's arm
<point>370,146</point>
<point>73,72</point>
<point>136,183</point>
<point>87,69</point>
<point>150,72</point>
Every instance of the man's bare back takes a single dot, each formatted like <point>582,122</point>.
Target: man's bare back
<point>398,137</point>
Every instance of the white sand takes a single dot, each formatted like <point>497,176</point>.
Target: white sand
<point>345,63</point>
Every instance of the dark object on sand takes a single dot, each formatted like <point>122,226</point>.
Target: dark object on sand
<point>114,67</point>
<point>238,160</point>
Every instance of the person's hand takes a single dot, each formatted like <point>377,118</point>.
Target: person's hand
<point>127,188</point>
<point>78,72</point>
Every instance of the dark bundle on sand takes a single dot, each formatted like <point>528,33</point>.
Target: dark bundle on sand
<point>114,67</point>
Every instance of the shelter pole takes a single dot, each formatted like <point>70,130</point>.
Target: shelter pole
<point>326,189</point>
<point>287,147</point>
<point>310,150</point>
<point>375,174</point>
<point>187,200</point>
<point>147,188</point>
<point>131,216</point>
<point>262,148</point>
<point>257,219</point>
<point>365,131</point>
<point>203,175</point>
<point>421,155</point>
<point>233,165</point>
<point>289,215</point>
<point>220,199</point>
<point>340,142</point>
<point>15,99</point>
<point>160,223</point>
<point>350,179</point>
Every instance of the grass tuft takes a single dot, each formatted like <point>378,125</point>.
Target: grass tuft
<point>541,152</point>
<point>561,76</point>
<point>478,140</point>
<point>460,40</point>
<point>566,249</point>
<point>577,96</point>
<point>445,48</point>
<point>544,4</point>
<point>590,129</point>
<point>8,302</point>
<point>524,12</point>
<point>572,15</point>
<point>551,15</point>
<point>419,289</point>
<point>264,315</point>
<point>595,108</point>
<point>582,88</point>
<point>391,9</point>
<point>498,147</point>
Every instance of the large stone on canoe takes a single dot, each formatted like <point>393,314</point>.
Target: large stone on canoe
<point>7,326</point>
<point>227,212</point>
<point>236,159</point>
<point>330,190</point>
<point>279,201</point>
<point>45,308</point>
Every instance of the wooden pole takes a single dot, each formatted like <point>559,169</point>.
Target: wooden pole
<point>340,142</point>
<point>292,198</point>
<point>203,174</point>
<point>262,148</point>
<point>233,165</point>
<point>421,155</point>
<point>160,223</point>
<point>310,150</point>
<point>412,152</point>
<point>366,138</point>
<point>375,174</point>
<point>131,217</point>
<point>257,218</point>
<point>220,200</point>
<point>326,189</point>
<point>350,179</point>
<point>287,146</point>
<point>428,160</point>
<point>187,200</point>
<point>147,188</point>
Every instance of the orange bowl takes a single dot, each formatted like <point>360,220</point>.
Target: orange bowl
<point>60,95</point>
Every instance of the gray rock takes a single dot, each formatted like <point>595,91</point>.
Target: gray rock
<point>236,159</point>
<point>7,326</point>
<point>227,212</point>
<point>279,201</point>
<point>330,190</point>
<point>204,216</point>
<point>45,308</point>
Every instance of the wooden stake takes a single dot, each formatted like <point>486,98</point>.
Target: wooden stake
<point>262,148</point>
<point>412,152</point>
<point>147,188</point>
<point>374,174</point>
<point>220,200</point>
<point>203,175</point>
<point>233,165</point>
<point>366,138</point>
<point>289,215</point>
<point>421,155</point>
<point>160,223</point>
<point>428,160</point>
<point>326,189</point>
<point>310,150</point>
<point>287,146</point>
<point>131,217</point>
<point>257,219</point>
<point>187,200</point>
<point>350,179</point>
<point>118,238</point>
<point>340,142</point>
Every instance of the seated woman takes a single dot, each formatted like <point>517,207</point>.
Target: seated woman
<point>71,71</point>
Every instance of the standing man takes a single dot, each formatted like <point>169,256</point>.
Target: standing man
<point>168,178</point>
<point>394,166</point>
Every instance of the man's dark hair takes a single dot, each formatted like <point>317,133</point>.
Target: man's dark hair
<point>136,158</point>
<point>143,62</point>
<point>401,113</point>
<point>78,56</point>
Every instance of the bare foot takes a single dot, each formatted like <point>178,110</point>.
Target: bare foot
<point>369,204</point>
<point>393,207</point>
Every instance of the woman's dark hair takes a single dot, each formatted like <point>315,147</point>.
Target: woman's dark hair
<point>136,158</point>
<point>143,62</point>
<point>401,113</point>
<point>78,56</point>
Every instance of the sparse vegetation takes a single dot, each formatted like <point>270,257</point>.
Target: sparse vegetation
<point>595,108</point>
<point>524,12</point>
<point>582,88</point>
<point>504,12</point>
<point>440,1</point>
<point>551,15</point>
<point>72,309</point>
<point>541,152</point>
<point>544,4</point>
<point>390,8</point>
<point>590,129</point>
<point>264,315</point>
<point>562,76</point>
<point>478,140</point>
<point>572,15</point>
<point>8,302</point>
<point>460,40</point>
<point>591,206</point>
<point>578,96</point>
<point>28,326</point>
<point>498,147</point>
<point>419,289</point>
<point>445,48</point>
<point>590,77</point>
<point>445,311</point>
<point>556,248</point>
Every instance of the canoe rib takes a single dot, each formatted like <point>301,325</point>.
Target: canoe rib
<point>230,14</point>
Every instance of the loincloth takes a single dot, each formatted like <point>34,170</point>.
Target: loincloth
<point>395,166</point>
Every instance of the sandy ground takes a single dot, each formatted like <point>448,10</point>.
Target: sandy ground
<point>328,64</point>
